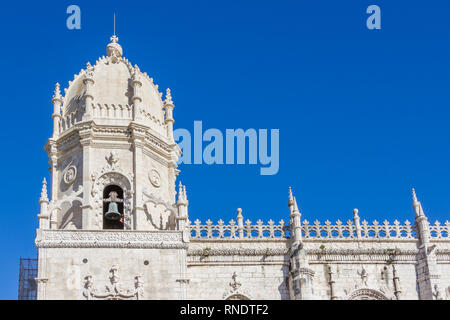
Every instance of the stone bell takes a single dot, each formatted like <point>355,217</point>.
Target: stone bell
<point>113,209</point>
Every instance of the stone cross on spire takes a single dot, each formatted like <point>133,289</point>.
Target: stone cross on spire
<point>114,39</point>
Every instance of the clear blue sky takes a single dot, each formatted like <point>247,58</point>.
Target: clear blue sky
<point>363,115</point>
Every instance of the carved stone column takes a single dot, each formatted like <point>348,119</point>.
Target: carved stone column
<point>87,207</point>
<point>300,275</point>
<point>138,136</point>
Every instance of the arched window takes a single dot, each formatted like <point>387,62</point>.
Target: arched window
<point>113,207</point>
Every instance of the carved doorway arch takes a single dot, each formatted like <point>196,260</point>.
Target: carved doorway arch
<point>237,296</point>
<point>366,294</point>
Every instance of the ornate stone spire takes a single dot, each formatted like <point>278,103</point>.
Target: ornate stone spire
<point>184,194</point>
<point>182,197</point>
<point>44,196</point>
<point>417,205</point>
<point>56,115</point>
<point>168,105</point>
<point>89,70</point>
<point>295,216</point>
<point>168,98</point>
<point>295,205</point>
<point>182,204</point>
<point>57,94</point>
<point>291,198</point>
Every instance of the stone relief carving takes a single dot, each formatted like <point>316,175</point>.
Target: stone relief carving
<point>437,295</point>
<point>155,178</point>
<point>364,275</point>
<point>160,213</point>
<point>70,175</point>
<point>95,239</point>
<point>365,289</point>
<point>112,160</point>
<point>113,290</point>
<point>235,291</point>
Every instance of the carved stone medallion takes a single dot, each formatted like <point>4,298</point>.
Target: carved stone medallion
<point>70,175</point>
<point>155,178</point>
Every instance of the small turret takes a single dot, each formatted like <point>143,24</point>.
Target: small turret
<point>428,271</point>
<point>295,216</point>
<point>43,202</point>
<point>169,121</point>
<point>182,205</point>
<point>56,116</point>
<point>136,83</point>
<point>88,82</point>
<point>421,220</point>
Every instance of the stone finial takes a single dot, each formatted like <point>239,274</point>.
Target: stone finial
<point>417,205</point>
<point>113,49</point>
<point>184,193</point>
<point>295,205</point>
<point>414,196</point>
<point>57,94</point>
<point>180,190</point>
<point>168,97</point>
<point>136,77</point>
<point>240,221</point>
<point>44,196</point>
<point>291,198</point>
<point>114,39</point>
<point>89,70</point>
<point>356,220</point>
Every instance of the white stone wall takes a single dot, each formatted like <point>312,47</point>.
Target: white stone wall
<point>66,269</point>
<point>259,281</point>
<point>170,268</point>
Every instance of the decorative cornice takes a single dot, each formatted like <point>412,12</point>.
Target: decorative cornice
<point>397,255</point>
<point>87,132</point>
<point>237,252</point>
<point>108,239</point>
<point>319,255</point>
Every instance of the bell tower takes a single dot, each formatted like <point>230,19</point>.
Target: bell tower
<point>112,128</point>
<point>113,163</point>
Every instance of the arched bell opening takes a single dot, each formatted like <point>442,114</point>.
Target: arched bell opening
<point>113,207</point>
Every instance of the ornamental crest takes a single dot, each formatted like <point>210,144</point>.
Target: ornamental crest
<point>113,290</point>
<point>236,292</point>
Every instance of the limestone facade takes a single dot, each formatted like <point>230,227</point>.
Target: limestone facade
<point>112,150</point>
